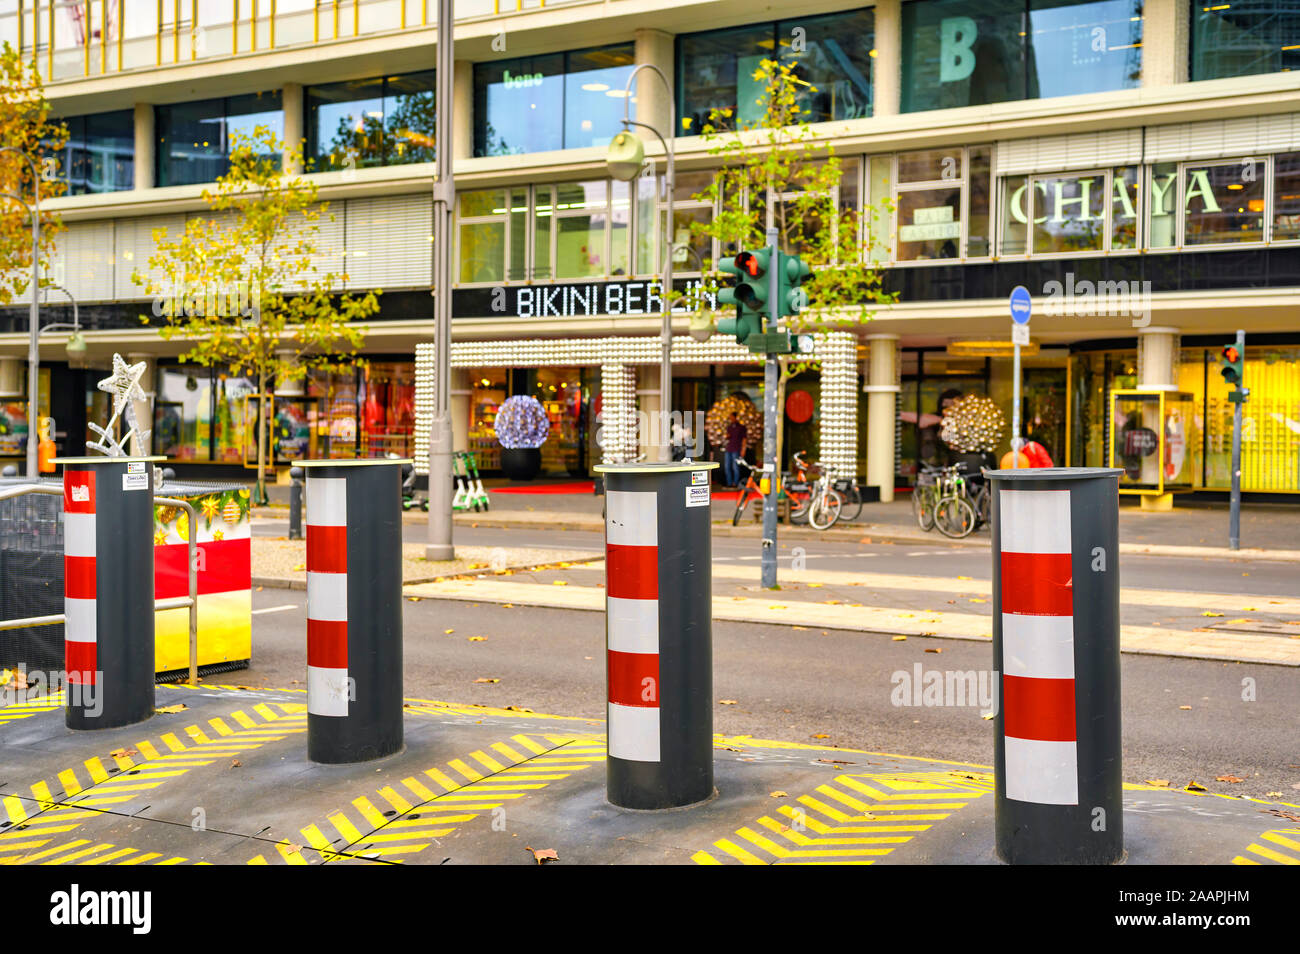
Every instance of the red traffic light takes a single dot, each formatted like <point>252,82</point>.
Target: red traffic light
<point>1230,354</point>
<point>748,262</point>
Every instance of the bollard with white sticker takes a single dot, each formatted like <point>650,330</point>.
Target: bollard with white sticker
<point>1057,754</point>
<point>108,590</point>
<point>354,609</point>
<point>659,634</point>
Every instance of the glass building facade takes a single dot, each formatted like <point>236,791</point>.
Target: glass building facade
<point>974,52</point>
<point>384,121</point>
<point>1244,38</point>
<point>100,153</point>
<point>195,139</point>
<point>831,54</point>
<point>517,102</point>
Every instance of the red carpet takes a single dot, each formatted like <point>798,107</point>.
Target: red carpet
<point>573,487</point>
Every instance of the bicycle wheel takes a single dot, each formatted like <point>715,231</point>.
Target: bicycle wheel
<point>823,511</point>
<point>955,517</point>
<point>799,506</point>
<point>741,503</point>
<point>923,499</point>
<point>852,502</point>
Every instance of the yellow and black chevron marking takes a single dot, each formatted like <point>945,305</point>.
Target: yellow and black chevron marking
<point>23,710</point>
<point>402,820</point>
<point>1281,846</point>
<point>853,819</point>
<point>94,787</point>
<point>84,851</point>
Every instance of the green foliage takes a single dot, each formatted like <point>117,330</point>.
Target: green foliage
<point>243,287</point>
<point>26,127</point>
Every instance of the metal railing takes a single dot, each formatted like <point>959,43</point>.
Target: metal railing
<point>178,602</point>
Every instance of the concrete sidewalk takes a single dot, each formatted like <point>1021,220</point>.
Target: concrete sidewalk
<point>482,785</point>
<point>1267,531</point>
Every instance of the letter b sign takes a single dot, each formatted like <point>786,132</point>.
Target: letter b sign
<point>956,59</point>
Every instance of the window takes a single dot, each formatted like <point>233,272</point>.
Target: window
<point>491,230</point>
<point>1224,203</point>
<point>1286,197</point>
<point>1244,38</point>
<point>1071,212</point>
<point>375,122</point>
<point>588,227</point>
<point>832,53</point>
<point>100,153</point>
<point>974,52</point>
<point>937,191</point>
<point>557,101</point>
<point>194,139</point>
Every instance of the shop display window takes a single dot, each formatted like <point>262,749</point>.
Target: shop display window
<point>388,409</point>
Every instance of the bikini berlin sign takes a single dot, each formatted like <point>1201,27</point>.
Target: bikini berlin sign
<point>575,299</point>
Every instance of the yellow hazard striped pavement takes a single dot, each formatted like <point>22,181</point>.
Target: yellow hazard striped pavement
<point>852,819</point>
<point>27,708</point>
<point>98,785</point>
<point>86,851</point>
<point>398,821</point>
<point>1281,846</point>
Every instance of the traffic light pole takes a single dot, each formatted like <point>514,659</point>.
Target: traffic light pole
<point>771,381</point>
<point>1234,508</point>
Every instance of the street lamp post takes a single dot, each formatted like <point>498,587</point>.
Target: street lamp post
<point>34,320</point>
<point>626,156</point>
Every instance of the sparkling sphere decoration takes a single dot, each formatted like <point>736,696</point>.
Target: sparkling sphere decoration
<point>522,422</point>
<point>972,425</point>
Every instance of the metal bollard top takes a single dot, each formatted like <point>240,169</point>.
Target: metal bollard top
<point>105,459</point>
<point>646,467</point>
<point>1052,473</point>
<point>353,462</point>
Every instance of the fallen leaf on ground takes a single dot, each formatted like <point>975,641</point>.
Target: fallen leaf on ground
<point>1208,613</point>
<point>815,586</point>
<point>804,628</point>
<point>448,632</point>
<point>778,794</point>
<point>1280,813</point>
<point>836,761</point>
<point>988,715</point>
<point>179,707</point>
<point>300,566</point>
<point>821,735</point>
<point>899,639</point>
<point>476,639</point>
<point>507,605</point>
<point>726,702</point>
<point>413,599</point>
<point>123,753</point>
<point>1228,778</point>
<point>1184,707</point>
<point>559,582</point>
<point>1158,782</point>
<point>934,649</point>
<point>963,577</point>
<point>1195,787</point>
<point>517,709</point>
<point>485,679</point>
<point>1273,794</point>
<point>235,763</point>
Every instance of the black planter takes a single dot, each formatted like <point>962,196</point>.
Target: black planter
<point>521,463</point>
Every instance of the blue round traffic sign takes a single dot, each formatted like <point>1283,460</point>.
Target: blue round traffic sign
<point>1021,301</point>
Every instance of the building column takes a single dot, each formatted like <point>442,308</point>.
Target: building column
<point>461,393</point>
<point>838,439</point>
<point>651,435</point>
<point>882,398</point>
<point>462,133</point>
<point>291,101</point>
<point>887,65</point>
<point>617,434</point>
<point>143,409</point>
<point>653,100</point>
<point>1166,49</point>
<point>1158,359</point>
<point>145,145</point>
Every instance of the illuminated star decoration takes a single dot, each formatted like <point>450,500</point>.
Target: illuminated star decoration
<point>124,385</point>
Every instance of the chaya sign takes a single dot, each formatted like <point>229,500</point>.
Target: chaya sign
<point>575,300</point>
<point>1059,199</point>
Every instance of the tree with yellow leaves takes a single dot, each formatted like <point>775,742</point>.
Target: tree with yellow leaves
<point>244,286</point>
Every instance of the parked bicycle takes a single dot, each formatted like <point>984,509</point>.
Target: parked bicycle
<point>961,508</point>
<point>813,501</point>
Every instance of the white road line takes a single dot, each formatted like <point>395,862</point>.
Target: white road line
<point>276,609</point>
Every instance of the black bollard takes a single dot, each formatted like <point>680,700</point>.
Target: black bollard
<point>295,503</point>
<point>1057,755</point>
<point>354,609</point>
<point>108,585</point>
<point>659,634</point>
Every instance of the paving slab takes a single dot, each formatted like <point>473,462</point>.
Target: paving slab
<point>476,785</point>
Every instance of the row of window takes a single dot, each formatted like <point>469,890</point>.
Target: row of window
<point>956,53</point>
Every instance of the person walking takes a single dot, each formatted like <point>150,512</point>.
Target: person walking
<point>737,444</point>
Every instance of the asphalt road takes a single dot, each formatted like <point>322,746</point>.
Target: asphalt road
<point>1194,574</point>
<point>798,684</point>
